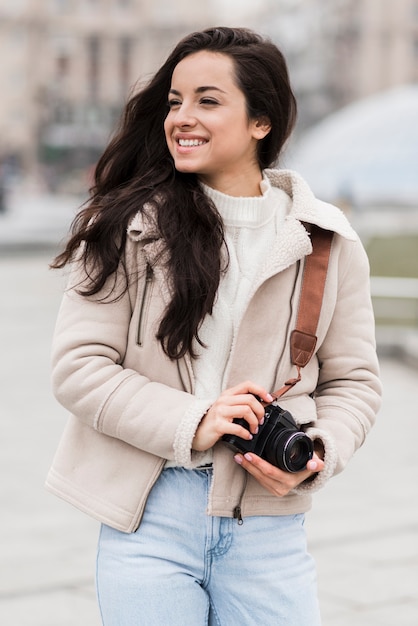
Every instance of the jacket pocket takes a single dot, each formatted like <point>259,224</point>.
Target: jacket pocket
<point>144,306</point>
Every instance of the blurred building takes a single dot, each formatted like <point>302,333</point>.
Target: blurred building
<point>364,155</point>
<point>376,46</point>
<point>343,50</point>
<point>67,66</point>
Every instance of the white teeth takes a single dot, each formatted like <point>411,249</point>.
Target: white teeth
<point>185,143</point>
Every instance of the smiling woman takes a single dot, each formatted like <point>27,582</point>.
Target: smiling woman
<point>187,273</point>
<point>208,130</point>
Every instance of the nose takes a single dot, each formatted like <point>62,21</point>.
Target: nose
<point>183,116</point>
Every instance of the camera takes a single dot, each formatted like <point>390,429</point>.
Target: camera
<point>278,441</point>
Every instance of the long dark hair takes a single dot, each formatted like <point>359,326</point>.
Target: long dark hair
<point>137,165</point>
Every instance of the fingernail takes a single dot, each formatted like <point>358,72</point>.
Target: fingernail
<point>269,397</point>
<point>312,465</point>
<point>248,457</point>
<point>238,459</point>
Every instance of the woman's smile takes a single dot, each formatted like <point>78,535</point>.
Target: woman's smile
<point>190,143</point>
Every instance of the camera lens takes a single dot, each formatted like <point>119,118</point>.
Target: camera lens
<point>289,450</point>
<point>297,452</point>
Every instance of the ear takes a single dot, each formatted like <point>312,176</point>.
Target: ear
<point>262,127</point>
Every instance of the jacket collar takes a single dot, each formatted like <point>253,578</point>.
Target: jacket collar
<point>293,241</point>
<point>305,207</point>
<point>143,228</point>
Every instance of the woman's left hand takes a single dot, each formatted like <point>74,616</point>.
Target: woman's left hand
<point>275,480</point>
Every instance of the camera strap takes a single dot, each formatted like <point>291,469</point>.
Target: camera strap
<point>303,338</point>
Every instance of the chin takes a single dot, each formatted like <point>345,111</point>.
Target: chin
<point>184,168</point>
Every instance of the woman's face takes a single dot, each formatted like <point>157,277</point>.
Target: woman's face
<point>207,128</point>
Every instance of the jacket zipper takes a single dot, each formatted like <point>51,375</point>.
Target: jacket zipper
<point>141,319</point>
<point>155,476</point>
<point>237,514</point>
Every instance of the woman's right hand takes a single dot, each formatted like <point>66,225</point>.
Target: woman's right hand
<point>233,403</point>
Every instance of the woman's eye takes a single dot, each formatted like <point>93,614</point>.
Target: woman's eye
<point>173,103</point>
<point>209,101</point>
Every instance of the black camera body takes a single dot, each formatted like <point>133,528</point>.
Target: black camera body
<point>278,441</point>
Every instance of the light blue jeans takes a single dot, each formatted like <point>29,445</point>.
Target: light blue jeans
<point>185,568</point>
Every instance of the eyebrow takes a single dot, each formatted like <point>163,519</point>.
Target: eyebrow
<point>199,90</point>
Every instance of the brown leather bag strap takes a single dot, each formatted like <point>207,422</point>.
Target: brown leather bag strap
<point>303,338</point>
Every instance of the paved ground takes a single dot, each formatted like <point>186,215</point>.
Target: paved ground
<point>362,530</point>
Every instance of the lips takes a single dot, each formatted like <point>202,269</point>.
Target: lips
<point>190,142</point>
<point>186,143</point>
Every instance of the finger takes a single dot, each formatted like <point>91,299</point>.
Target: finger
<point>314,465</point>
<point>252,407</point>
<point>248,387</point>
<point>260,468</point>
<point>240,427</point>
<point>232,420</point>
<point>253,416</point>
<point>243,400</point>
<point>271,478</point>
<point>275,480</point>
<point>240,407</point>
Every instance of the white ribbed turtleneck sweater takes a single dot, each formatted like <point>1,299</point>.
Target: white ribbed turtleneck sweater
<point>251,226</point>
<point>250,230</point>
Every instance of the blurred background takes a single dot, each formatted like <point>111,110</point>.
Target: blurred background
<point>66,70</point>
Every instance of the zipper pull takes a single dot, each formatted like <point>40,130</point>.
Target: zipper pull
<point>147,286</point>
<point>238,516</point>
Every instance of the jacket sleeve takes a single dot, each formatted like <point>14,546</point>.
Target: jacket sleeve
<point>90,381</point>
<point>348,394</point>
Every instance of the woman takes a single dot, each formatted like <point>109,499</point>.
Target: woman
<point>187,267</point>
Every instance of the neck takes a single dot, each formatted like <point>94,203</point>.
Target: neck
<point>244,185</point>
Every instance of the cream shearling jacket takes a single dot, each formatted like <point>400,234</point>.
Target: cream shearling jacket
<point>132,408</point>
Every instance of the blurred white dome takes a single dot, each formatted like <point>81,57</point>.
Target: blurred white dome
<point>366,153</point>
